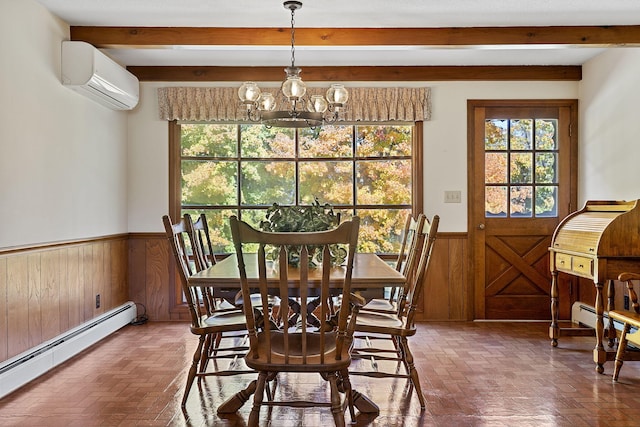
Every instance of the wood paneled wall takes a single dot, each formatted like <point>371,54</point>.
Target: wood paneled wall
<point>447,294</point>
<point>49,290</point>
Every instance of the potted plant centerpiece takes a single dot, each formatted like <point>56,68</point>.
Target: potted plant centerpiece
<point>316,217</point>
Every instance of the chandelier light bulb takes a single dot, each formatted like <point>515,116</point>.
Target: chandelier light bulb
<point>337,95</point>
<point>249,92</point>
<point>294,88</point>
<point>317,104</point>
<point>266,102</point>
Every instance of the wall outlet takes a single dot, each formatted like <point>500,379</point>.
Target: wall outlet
<point>97,300</point>
<point>453,196</point>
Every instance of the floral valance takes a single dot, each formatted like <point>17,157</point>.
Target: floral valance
<point>365,104</point>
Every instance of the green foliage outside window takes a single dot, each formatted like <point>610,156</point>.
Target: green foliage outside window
<point>364,170</point>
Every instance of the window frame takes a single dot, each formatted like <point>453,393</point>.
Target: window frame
<point>175,184</point>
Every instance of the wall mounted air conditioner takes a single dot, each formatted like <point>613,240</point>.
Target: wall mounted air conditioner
<point>93,74</point>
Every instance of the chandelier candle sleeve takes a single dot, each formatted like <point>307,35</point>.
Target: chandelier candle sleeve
<point>302,110</point>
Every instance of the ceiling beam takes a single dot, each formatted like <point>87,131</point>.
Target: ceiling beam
<point>400,73</point>
<point>169,37</point>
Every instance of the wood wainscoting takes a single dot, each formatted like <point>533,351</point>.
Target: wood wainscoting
<point>447,294</point>
<point>50,289</point>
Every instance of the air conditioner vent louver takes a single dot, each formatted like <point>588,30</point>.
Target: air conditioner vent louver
<point>93,74</point>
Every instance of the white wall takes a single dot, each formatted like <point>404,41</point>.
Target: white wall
<point>445,139</point>
<point>610,127</point>
<point>62,157</point>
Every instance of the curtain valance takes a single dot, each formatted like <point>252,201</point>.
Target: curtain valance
<point>365,104</point>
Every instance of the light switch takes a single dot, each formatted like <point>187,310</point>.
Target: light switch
<point>453,197</point>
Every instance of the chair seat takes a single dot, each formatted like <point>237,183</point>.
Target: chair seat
<point>380,304</point>
<point>383,320</point>
<point>233,319</point>
<point>225,305</point>
<point>256,300</point>
<point>295,362</point>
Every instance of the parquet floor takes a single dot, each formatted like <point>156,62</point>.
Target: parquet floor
<point>473,374</point>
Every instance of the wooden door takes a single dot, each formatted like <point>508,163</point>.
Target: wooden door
<point>522,174</point>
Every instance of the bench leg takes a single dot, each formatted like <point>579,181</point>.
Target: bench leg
<point>622,346</point>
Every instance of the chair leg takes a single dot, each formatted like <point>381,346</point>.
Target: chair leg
<point>206,353</point>
<point>413,372</point>
<point>336,406</point>
<point>193,369</point>
<point>622,346</point>
<point>254,417</point>
<point>346,386</point>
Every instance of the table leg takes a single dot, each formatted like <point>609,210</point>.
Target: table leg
<point>236,401</point>
<point>364,404</point>
<point>599,353</point>
<point>611,305</point>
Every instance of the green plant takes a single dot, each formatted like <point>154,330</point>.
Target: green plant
<point>316,217</point>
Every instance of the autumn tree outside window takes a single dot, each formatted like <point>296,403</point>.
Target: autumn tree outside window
<point>241,169</point>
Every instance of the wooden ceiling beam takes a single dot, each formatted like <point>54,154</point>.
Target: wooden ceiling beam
<point>169,37</point>
<point>345,74</point>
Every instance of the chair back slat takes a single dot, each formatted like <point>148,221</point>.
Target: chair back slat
<point>293,344</point>
<point>429,232</point>
<point>178,237</point>
<point>284,292</point>
<point>204,256</point>
<point>415,240</point>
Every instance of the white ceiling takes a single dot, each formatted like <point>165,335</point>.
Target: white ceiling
<point>351,14</point>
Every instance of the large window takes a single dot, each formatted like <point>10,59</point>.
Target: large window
<point>367,170</point>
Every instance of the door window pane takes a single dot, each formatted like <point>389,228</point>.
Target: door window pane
<point>520,204</point>
<point>495,168</point>
<point>495,201</point>
<point>546,201</point>
<point>546,134</point>
<point>546,166</point>
<point>495,134</point>
<point>521,137</point>
<point>521,168</point>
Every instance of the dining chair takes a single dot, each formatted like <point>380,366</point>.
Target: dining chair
<point>205,323</point>
<point>629,319</point>
<point>204,257</point>
<point>406,257</point>
<point>375,329</point>
<point>274,347</point>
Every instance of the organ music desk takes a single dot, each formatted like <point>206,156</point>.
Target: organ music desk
<point>598,242</point>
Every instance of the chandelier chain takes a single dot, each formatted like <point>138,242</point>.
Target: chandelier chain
<point>293,38</point>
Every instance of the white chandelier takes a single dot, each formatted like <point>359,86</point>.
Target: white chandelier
<point>303,111</point>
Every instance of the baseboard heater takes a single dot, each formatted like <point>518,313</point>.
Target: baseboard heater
<point>585,314</point>
<point>27,366</point>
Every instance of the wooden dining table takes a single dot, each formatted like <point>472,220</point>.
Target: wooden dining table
<point>370,272</point>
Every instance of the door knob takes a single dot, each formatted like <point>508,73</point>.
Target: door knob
<point>480,226</point>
